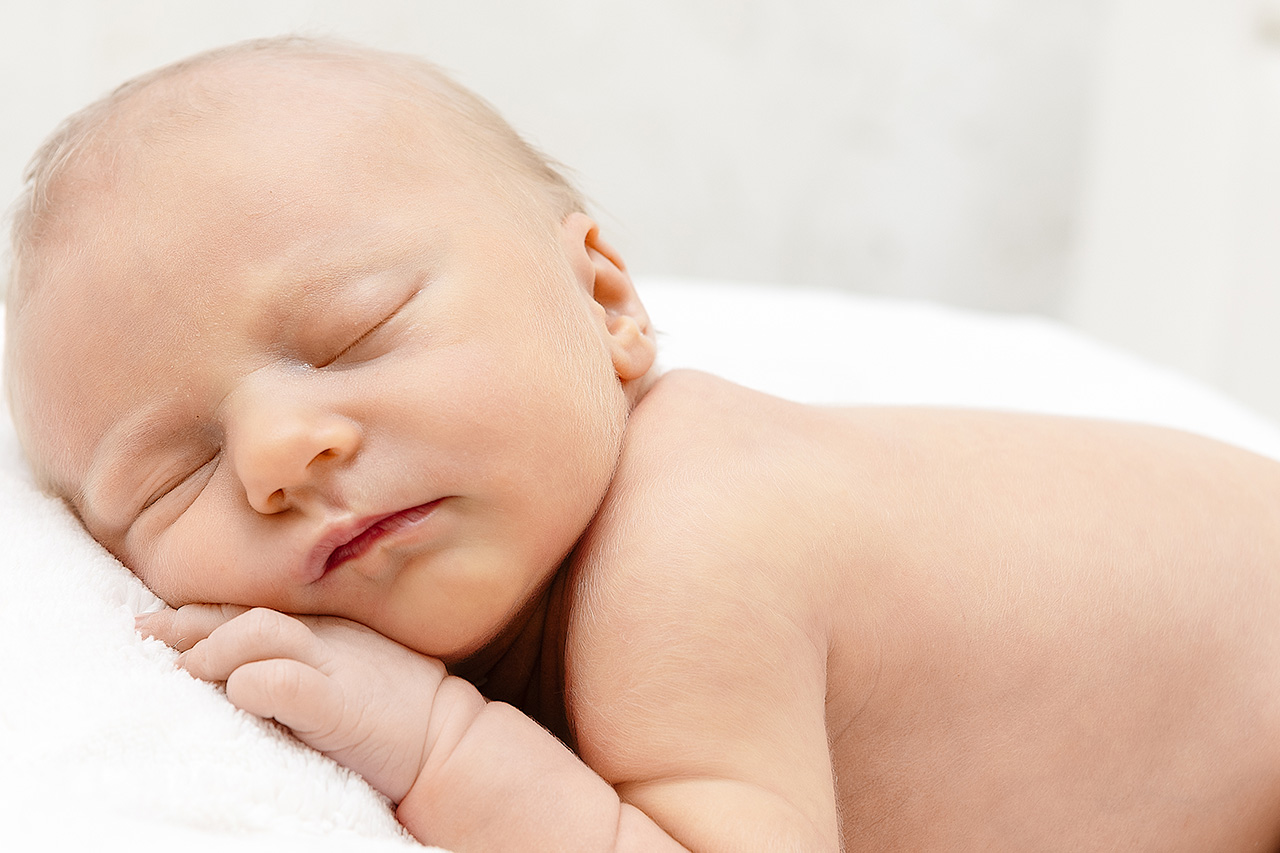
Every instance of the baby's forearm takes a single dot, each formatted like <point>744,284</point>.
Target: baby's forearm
<point>496,780</point>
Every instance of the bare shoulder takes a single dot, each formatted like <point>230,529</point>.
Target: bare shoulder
<point>774,596</point>
<point>706,500</point>
<point>688,409</point>
<point>698,452</point>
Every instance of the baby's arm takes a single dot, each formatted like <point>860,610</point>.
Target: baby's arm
<point>706,710</point>
<point>496,780</point>
<point>467,773</point>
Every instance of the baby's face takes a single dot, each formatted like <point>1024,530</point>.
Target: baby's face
<point>294,369</point>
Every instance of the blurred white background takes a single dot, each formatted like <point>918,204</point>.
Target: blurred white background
<point>1113,163</point>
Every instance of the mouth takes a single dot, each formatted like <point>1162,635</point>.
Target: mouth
<point>349,542</point>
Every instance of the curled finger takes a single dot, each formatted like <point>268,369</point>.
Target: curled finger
<point>187,625</point>
<point>255,635</point>
<point>294,694</point>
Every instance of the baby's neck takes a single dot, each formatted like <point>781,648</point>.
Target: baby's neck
<point>524,665</point>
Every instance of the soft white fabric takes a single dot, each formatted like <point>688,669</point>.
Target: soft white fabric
<point>104,745</point>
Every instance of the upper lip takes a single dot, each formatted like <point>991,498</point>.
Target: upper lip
<point>334,537</point>
<point>341,533</point>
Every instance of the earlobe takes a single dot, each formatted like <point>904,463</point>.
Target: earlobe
<point>604,276</point>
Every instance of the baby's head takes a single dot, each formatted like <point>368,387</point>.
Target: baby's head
<point>308,326</point>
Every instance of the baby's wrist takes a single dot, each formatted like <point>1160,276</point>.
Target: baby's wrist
<point>456,705</point>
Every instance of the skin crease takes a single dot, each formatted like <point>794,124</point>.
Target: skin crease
<point>763,625</point>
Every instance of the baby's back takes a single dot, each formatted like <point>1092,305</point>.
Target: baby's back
<point>931,630</point>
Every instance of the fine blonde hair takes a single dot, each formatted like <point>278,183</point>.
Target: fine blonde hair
<point>86,134</point>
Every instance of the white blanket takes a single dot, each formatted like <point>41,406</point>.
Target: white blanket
<point>104,745</point>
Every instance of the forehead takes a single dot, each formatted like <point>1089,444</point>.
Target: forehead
<point>187,242</point>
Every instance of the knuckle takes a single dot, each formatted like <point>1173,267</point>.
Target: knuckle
<point>190,623</point>
<point>227,612</point>
<point>186,615</point>
<point>187,626</point>
<point>282,681</point>
<point>262,687</point>
<point>261,621</point>
<point>271,628</point>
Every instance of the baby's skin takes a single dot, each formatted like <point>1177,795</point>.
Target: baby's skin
<point>387,435</point>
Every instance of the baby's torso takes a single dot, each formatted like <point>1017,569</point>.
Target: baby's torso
<point>1012,632</point>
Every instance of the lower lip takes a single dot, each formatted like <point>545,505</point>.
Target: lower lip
<point>390,526</point>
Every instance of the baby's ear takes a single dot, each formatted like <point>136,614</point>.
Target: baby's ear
<point>602,274</point>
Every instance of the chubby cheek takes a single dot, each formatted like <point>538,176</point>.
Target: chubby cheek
<point>200,558</point>
<point>450,605</point>
<point>175,568</point>
<point>161,572</point>
<point>592,442</point>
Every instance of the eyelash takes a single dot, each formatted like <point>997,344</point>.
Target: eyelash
<point>370,332</point>
<point>349,347</point>
<point>178,482</point>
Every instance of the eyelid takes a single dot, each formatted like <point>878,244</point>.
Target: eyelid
<point>372,330</point>
<point>349,347</point>
<point>178,481</point>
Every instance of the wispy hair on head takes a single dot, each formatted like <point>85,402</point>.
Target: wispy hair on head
<point>94,135</point>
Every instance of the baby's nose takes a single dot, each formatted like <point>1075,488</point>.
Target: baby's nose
<point>285,451</point>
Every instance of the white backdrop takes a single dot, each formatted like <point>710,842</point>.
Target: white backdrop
<point>1110,162</point>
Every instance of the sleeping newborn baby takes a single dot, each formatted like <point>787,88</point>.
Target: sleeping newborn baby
<point>342,369</point>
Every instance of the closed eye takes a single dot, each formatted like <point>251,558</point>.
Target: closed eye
<point>188,484</point>
<point>354,348</point>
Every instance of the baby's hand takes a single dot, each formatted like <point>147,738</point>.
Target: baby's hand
<point>342,688</point>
